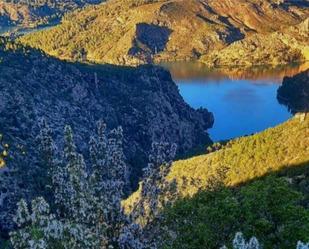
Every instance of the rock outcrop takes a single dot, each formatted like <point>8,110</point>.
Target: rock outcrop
<point>294,92</point>
<point>143,100</point>
<point>134,31</point>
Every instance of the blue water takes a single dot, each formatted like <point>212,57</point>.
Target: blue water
<point>240,106</point>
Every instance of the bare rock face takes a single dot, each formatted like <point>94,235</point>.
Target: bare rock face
<point>143,100</point>
<point>138,31</point>
<point>294,92</point>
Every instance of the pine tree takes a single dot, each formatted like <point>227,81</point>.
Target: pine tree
<point>301,245</point>
<point>110,181</point>
<point>88,206</point>
<point>39,229</point>
<point>239,242</point>
<point>155,190</point>
<point>47,163</point>
<point>74,192</point>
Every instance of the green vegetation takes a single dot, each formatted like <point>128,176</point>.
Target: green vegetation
<point>267,208</point>
<point>247,158</point>
<point>257,184</point>
<point>243,159</point>
<point>294,92</point>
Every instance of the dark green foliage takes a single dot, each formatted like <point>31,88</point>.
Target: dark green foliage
<point>267,208</point>
<point>294,92</point>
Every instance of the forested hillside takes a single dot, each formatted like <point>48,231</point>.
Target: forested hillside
<point>257,184</point>
<point>134,32</point>
<point>101,149</point>
<point>144,101</point>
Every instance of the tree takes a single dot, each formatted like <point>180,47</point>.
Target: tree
<point>155,190</point>
<point>88,211</point>
<point>47,163</point>
<point>110,180</point>
<point>39,229</point>
<point>301,245</point>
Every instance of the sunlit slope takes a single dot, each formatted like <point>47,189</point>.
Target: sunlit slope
<point>286,46</point>
<point>133,31</point>
<point>245,158</point>
<point>286,145</point>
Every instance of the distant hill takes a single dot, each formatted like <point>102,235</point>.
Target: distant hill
<point>286,46</point>
<point>31,13</point>
<point>135,31</point>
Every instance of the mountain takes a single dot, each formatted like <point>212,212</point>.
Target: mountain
<point>32,13</point>
<point>135,31</point>
<point>294,92</point>
<point>143,100</point>
<point>286,46</point>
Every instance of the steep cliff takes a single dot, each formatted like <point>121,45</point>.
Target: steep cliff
<point>143,100</point>
<point>135,31</point>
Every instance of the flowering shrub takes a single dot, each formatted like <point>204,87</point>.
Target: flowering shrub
<point>239,242</point>
<point>87,211</point>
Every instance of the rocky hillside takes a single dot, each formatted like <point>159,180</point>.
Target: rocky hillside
<point>27,13</point>
<point>294,92</point>
<point>139,31</point>
<point>281,47</point>
<point>143,100</point>
<point>244,159</point>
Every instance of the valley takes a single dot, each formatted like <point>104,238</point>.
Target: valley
<point>154,124</point>
<point>243,102</point>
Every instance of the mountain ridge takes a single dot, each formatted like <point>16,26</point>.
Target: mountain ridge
<point>134,32</point>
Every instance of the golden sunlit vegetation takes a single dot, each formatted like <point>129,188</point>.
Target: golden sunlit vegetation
<point>137,31</point>
<point>4,151</point>
<point>249,157</point>
<point>282,47</point>
<point>244,159</point>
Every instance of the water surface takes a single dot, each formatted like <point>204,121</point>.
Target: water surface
<point>18,30</point>
<point>243,101</point>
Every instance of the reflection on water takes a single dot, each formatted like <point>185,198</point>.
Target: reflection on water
<point>190,70</point>
<point>14,31</point>
<point>243,101</point>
